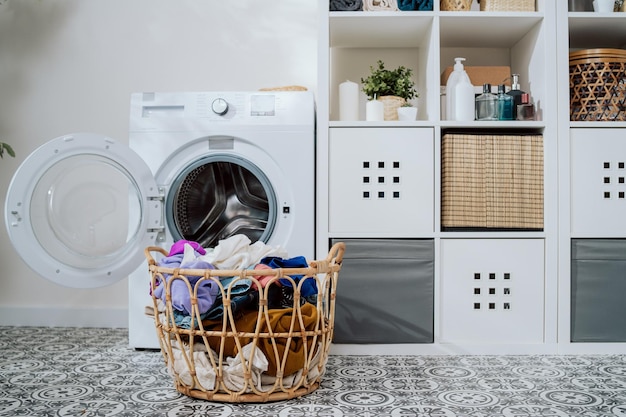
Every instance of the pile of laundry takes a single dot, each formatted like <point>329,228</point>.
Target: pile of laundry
<point>234,253</point>
<point>264,357</point>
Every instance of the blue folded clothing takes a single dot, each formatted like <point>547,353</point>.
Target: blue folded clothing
<point>422,5</point>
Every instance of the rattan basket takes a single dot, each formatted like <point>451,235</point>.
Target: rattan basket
<point>391,105</point>
<point>597,85</point>
<point>455,5</point>
<point>260,354</point>
<point>492,182</point>
<point>507,5</point>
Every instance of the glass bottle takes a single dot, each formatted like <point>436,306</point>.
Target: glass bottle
<point>505,104</point>
<point>526,109</point>
<point>486,104</point>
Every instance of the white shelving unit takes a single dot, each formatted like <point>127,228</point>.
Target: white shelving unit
<point>583,148</point>
<point>533,44</point>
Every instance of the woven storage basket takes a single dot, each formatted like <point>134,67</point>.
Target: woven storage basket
<point>507,5</point>
<point>455,5</point>
<point>597,85</point>
<point>391,104</point>
<point>492,182</point>
<point>260,354</point>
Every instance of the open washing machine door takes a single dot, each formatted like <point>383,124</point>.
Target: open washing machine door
<point>81,209</point>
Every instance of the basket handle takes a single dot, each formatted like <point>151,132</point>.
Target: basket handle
<point>333,259</point>
<point>147,252</point>
<point>336,252</point>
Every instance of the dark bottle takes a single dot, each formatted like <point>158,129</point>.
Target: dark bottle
<point>516,93</point>
<point>526,110</point>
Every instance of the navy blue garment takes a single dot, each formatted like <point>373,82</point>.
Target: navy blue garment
<point>309,287</point>
<point>423,5</point>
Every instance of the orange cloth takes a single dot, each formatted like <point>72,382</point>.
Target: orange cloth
<point>279,322</point>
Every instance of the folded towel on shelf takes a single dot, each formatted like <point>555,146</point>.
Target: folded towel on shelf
<point>380,5</point>
<point>422,5</point>
<point>346,5</point>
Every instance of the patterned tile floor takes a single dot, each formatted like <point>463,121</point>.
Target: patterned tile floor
<point>91,372</point>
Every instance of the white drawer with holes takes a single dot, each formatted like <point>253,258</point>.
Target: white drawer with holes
<point>598,187</point>
<point>492,291</point>
<point>381,182</point>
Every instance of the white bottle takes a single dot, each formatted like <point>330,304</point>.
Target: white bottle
<point>460,104</point>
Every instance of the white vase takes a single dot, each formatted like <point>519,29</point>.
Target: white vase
<point>603,6</point>
<point>407,113</point>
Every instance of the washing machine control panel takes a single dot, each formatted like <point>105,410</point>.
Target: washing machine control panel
<point>219,106</point>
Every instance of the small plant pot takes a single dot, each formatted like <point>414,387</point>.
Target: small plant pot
<point>407,113</point>
<point>392,103</point>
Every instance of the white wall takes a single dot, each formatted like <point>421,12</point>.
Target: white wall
<point>70,66</point>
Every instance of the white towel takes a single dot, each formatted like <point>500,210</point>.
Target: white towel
<point>204,370</point>
<point>236,252</point>
<point>380,5</point>
<point>234,372</point>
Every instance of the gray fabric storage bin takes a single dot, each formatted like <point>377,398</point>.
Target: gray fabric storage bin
<point>598,293</point>
<point>385,292</point>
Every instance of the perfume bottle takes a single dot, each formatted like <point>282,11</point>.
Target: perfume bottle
<point>505,104</point>
<point>516,93</point>
<point>486,104</point>
<point>526,109</point>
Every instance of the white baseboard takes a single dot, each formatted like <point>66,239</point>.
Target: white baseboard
<point>443,349</point>
<point>64,317</point>
<point>484,349</point>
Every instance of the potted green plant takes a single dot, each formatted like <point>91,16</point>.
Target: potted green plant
<point>5,147</point>
<point>392,87</point>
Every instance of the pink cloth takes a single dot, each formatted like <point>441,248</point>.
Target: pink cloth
<point>263,279</point>
<point>179,247</point>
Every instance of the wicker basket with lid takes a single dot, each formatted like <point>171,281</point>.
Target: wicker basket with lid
<point>597,82</point>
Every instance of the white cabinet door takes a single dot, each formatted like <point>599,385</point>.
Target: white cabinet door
<point>492,291</point>
<point>598,182</point>
<point>381,182</point>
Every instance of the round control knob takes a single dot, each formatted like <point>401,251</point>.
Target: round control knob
<point>219,106</point>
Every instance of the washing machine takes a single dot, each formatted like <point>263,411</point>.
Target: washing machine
<point>200,166</point>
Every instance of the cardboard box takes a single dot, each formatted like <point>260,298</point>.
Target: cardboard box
<point>481,75</point>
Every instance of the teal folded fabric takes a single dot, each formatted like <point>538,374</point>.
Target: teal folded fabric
<point>422,5</point>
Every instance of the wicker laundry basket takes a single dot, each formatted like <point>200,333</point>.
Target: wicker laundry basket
<point>258,353</point>
<point>597,85</point>
<point>492,182</point>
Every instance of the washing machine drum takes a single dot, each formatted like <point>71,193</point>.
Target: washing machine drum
<point>220,196</point>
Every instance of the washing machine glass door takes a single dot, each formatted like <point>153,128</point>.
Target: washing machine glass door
<point>218,196</point>
<point>81,209</point>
